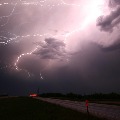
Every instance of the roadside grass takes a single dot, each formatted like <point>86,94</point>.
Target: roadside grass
<point>112,102</point>
<point>103,101</point>
<point>25,108</point>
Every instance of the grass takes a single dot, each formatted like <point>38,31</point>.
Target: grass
<point>103,101</point>
<point>25,108</point>
<point>117,103</point>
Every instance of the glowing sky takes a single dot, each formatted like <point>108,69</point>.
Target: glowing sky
<point>59,45</point>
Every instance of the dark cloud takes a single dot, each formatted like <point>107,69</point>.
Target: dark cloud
<point>107,23</point>
<point>91,71</point>
<point>98,69</point>
<point>111,48</point>
<point>51,49</point>
<point>113,3</point>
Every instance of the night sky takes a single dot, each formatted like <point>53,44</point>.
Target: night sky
<point>59,46</point>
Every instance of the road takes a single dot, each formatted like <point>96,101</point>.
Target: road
<point>111,112</point>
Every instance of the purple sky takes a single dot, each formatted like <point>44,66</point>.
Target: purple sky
<point>59,46</point>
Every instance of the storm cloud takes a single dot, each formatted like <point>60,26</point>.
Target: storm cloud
<point>109,22</point>
<point>114,3</point>
<point>60,42</point>
<point>51,49</point>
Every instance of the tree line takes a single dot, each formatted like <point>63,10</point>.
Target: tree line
<point>73,96</point>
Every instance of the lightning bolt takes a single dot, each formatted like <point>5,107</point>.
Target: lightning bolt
<point>8,16</point>
<point>41,77</point>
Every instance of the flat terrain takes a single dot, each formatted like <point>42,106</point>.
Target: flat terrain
<point>25,108</point>
<point>108,102</point>
<point>110,112</point>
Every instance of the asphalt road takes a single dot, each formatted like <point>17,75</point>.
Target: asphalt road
<point>111,112</point>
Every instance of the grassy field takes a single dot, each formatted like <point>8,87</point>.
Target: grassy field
<point>108,102</point>
<point>117,103</point>
<point>25,108</point>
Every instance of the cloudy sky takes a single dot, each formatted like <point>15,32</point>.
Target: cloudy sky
<point>59,46</point>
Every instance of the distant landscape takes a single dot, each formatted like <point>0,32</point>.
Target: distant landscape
<point>95,96</point>
<point>72,96</point>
